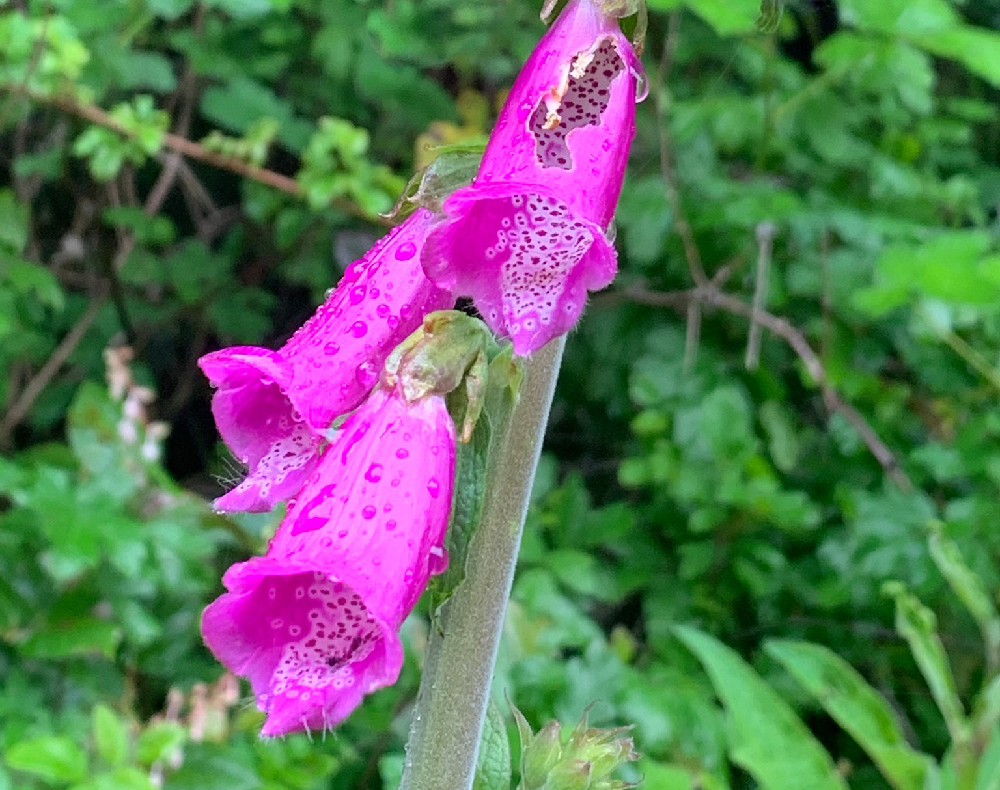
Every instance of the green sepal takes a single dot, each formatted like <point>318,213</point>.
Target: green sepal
<point>436,358</point>
<point>454,167</point>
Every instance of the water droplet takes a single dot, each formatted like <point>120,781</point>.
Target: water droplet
<point>408,576</point>
<point>406,251</point>
<point>374,293</point>
<point>374,473</point>
<point>390,525</point>
<point>359,328</point>
<point>369,511</point>
<point>402,452</point>
<point>606,145</point>
<point>405,311</point>
<point>326,542</point>
<point>387,508</point>
<point>331,349</point>
<point>357,294</point>
<point>433,487</point>
<point>382,310</point>
<point>366,374</point>
<point>342,533</point>
<point>392,321</point>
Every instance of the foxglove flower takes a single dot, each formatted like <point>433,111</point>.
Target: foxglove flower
<point>314,624</point>
<point>527,239</point>
<point>274,407</point>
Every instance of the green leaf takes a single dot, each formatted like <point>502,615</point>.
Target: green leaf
<point>159,741</point>
<point>728,17</point>
<point>493,767</point>
<point>918,626</point>
<point>14,217</point>
<point>26,277</point>
<point>856,707</point>
<point>110,735</point>
<point>975,48</point>
<point>82,636</point>
<point>49,757</point>
<point>904,17</point>
<point>970,590</point>
<point>125,778</point>
<point>766,737</point>
<point>658,776</point>
<point>770,16</point>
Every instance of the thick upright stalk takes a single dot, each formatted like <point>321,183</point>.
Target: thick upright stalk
<point>455,689</point>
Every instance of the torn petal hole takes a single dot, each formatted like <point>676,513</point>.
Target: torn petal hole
<point>582,103</point>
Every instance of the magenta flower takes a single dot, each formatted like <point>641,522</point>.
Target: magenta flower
<point>314,624</point>
<point>527,240</point>
<point>274,407</point>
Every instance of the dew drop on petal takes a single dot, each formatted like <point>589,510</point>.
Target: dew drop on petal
<point>359,329</point>
<point>368,511</point>
<point>402,453</point>
<point>382,311</point>
<point>331,349</point>
<point>433,487</point>
<point>406,251</point>
<point>374,473</point>
<point>390,525</point>
<point>366,373</point>
<point>358,294</point>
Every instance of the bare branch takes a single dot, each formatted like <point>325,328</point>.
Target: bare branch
<point>20,408</point>
<point>192,150</point>
<point>711,296</point>
<point>765,246</point>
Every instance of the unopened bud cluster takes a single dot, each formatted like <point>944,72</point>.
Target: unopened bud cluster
<point>584,761</point>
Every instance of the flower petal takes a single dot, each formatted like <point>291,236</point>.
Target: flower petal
<point>526,259</point>
<point>313,625</point>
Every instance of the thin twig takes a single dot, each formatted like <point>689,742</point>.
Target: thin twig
<point>196,151</point>
<point>20,408</point>
<point>765,246</point>
<point>711,296</point>
<point>661,96</point>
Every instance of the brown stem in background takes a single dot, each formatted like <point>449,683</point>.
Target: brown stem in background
<point>711,296</point>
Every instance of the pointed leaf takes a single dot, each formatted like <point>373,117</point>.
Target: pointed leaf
<point>918,626</point>
<point>856,707</point>
<point>110,735</point>
<point>493,768</point>
<point>766,737</point>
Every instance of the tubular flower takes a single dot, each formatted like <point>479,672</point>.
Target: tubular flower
<point>314,623</point>
<point>274,407</point>
<point>526,240</point>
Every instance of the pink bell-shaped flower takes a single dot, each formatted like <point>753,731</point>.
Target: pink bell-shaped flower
<point>274,407</point>
<point>527,239</point>
<point>314,623</point>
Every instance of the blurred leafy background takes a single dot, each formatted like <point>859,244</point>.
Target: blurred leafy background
<point>765,529</point>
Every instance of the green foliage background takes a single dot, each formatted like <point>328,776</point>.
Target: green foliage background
<point>784,574</point>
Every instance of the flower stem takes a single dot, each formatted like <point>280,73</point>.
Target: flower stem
<point>458,671</point>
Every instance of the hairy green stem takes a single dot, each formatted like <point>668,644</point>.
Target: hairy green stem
<point>458,671</point>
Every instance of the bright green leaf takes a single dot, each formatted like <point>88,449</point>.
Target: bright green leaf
<point>766,737</point>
